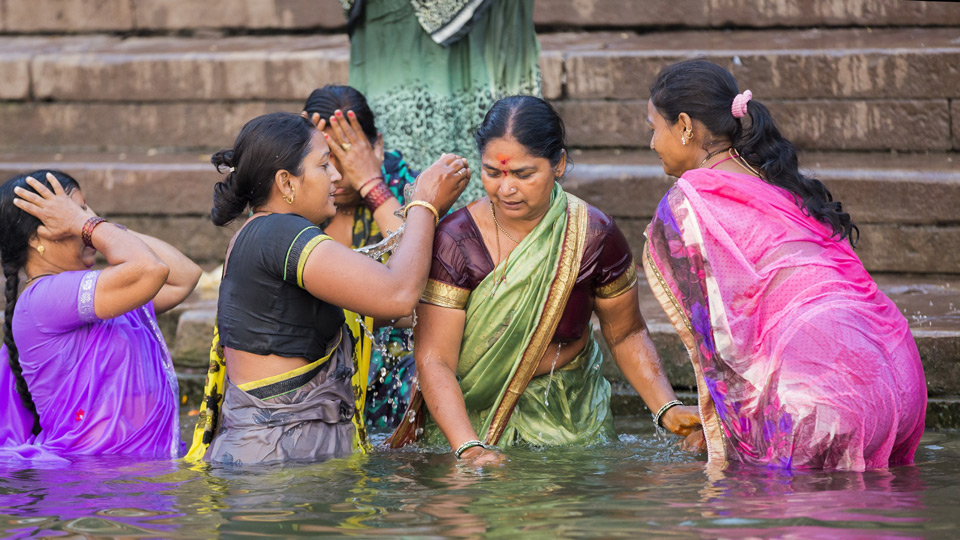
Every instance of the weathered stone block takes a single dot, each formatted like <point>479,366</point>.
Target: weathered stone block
<point>68,16</point>
<point>580,13</point>
<point>955,122</point>
<point>195,237</point>
<point>904,248</point>
<point>620,190</point>
<point>14,77</point>
<point>854,63</point>
<point>122,187</point>
<point>832,13</point>
<point>552,75</point>
<point>194,332</point>
<point>173,69</point>
<point>63,127</point>
<point>191,14</point>
<point>813,125</point>
<point>940,351</point>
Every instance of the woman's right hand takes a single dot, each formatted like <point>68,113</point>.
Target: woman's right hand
<point>483,457</point>
<point>62,217</point>
<point>682,420</point>
<point>443,182</point>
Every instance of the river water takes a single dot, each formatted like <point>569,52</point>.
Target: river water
<point>640,485</point>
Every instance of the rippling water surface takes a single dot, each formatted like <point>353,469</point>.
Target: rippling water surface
<point>639,485</point>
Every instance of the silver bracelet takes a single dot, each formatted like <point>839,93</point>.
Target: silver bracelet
<point>657,418</point>
<point>468,445</point>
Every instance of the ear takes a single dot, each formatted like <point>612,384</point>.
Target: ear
<point>378,147</point>
<point>685,122</point>
<point>561,165</point>
<point>284,182</point>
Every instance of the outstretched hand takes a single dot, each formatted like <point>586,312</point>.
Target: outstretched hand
<point>443,182</point>
<point>61,216</point>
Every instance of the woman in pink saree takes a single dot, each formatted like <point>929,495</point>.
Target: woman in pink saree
<point>800,360</point>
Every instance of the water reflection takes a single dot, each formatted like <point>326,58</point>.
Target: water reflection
<point>638,486</point>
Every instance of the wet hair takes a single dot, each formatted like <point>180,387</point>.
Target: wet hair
<point>266,144</point>
<point>533,122</point>
<point>328,99</point>
<point>705,91</point>
<point>16,229</point>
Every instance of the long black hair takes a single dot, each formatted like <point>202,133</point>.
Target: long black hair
<point>16,229</point>
<point>325,101</point>
<point>533,122</point>
<point>266,144</point>
<point>705,91</point>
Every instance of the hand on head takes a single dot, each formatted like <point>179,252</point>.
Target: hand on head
<point>356,159</point>
<point>443,182</point>
<point>62,216</point>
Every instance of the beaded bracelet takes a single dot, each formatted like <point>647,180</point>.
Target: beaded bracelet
<point>468,445</point>
<point>658,418</point>
<point>425,204</point>
<point>86,234</point>
<point>377,196</point>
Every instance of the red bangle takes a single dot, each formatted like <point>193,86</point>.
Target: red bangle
<point>368,182</point>
<point>86,234</point>
<point>377,196</point>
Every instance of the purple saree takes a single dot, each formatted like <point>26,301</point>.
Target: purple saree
<point>100,386</point>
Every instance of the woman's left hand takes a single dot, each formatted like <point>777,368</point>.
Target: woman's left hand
<point>358,161</point>
<point>62,217</point>
<point>682,420</point>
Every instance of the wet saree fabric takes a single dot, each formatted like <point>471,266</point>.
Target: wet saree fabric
<point>509,325</point>
<point>100,386</point>
<point>800,360</point>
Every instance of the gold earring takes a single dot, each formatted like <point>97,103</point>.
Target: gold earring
<point>687,135</point>
<point>41,249</point>
<point>293,194</point>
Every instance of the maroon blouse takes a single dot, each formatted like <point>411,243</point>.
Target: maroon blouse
<point>461,260</point>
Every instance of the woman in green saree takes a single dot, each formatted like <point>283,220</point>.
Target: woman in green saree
<point>504,350</point>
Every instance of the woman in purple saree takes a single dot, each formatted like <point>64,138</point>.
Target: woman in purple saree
<point>84,369</point>
<point>800,360</point>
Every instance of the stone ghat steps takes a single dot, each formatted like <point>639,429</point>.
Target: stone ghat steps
<point>841,89</point>
<point>905,204</point>
<point>126,16</point>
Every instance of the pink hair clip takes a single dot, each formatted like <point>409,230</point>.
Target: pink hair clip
<point>739,107</point>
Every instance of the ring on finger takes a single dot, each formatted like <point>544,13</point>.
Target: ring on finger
<point>346,146</point>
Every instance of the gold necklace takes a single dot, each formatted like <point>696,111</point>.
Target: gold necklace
<point>497,223</point>
<point>503,276</point>
<point>743,163</point>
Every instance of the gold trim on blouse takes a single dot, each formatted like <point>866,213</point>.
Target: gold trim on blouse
<point>445,295</point>
<point>622,284</point>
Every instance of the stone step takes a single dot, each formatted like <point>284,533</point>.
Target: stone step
<point>905,204</point>
<point>907,64</point>
<point>124,16</point>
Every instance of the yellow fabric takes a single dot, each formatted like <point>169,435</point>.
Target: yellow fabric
<point>212,400</point>
<point>307,250</point>
<point>361,371</point>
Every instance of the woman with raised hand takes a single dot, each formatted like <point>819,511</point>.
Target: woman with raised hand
<point>800,360</point>
<point>363,218</point>
<point>291,390</point>
<point>504,346</point>
<point>85,369</point>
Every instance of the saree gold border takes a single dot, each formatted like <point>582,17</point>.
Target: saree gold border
<point>713,431</point>
<point>444,295</point>
<point>620,285</point>
<point>569,267</point>
<point>259,383</point>
<point>307,250</point>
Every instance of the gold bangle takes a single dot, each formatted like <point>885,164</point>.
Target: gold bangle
<point>425,204</point>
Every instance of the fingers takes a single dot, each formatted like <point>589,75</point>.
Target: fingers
<point>337,129</point>
<point>27,195</point>
<point>334,145</point>
<point>321,123</point>
<point>39,187</point>
<point>57,188</point>
<point>355,131</point>
<point>27,207</point>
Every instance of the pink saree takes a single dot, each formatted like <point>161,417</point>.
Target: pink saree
<point>800,360</point>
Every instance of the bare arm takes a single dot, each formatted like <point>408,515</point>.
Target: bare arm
<point>135,274</point>
<point>436,348</point>
<point>626,333</point>
<point>183,277</point>
<point>352,281</point>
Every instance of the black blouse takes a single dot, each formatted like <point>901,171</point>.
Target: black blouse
<point>263,307</point>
